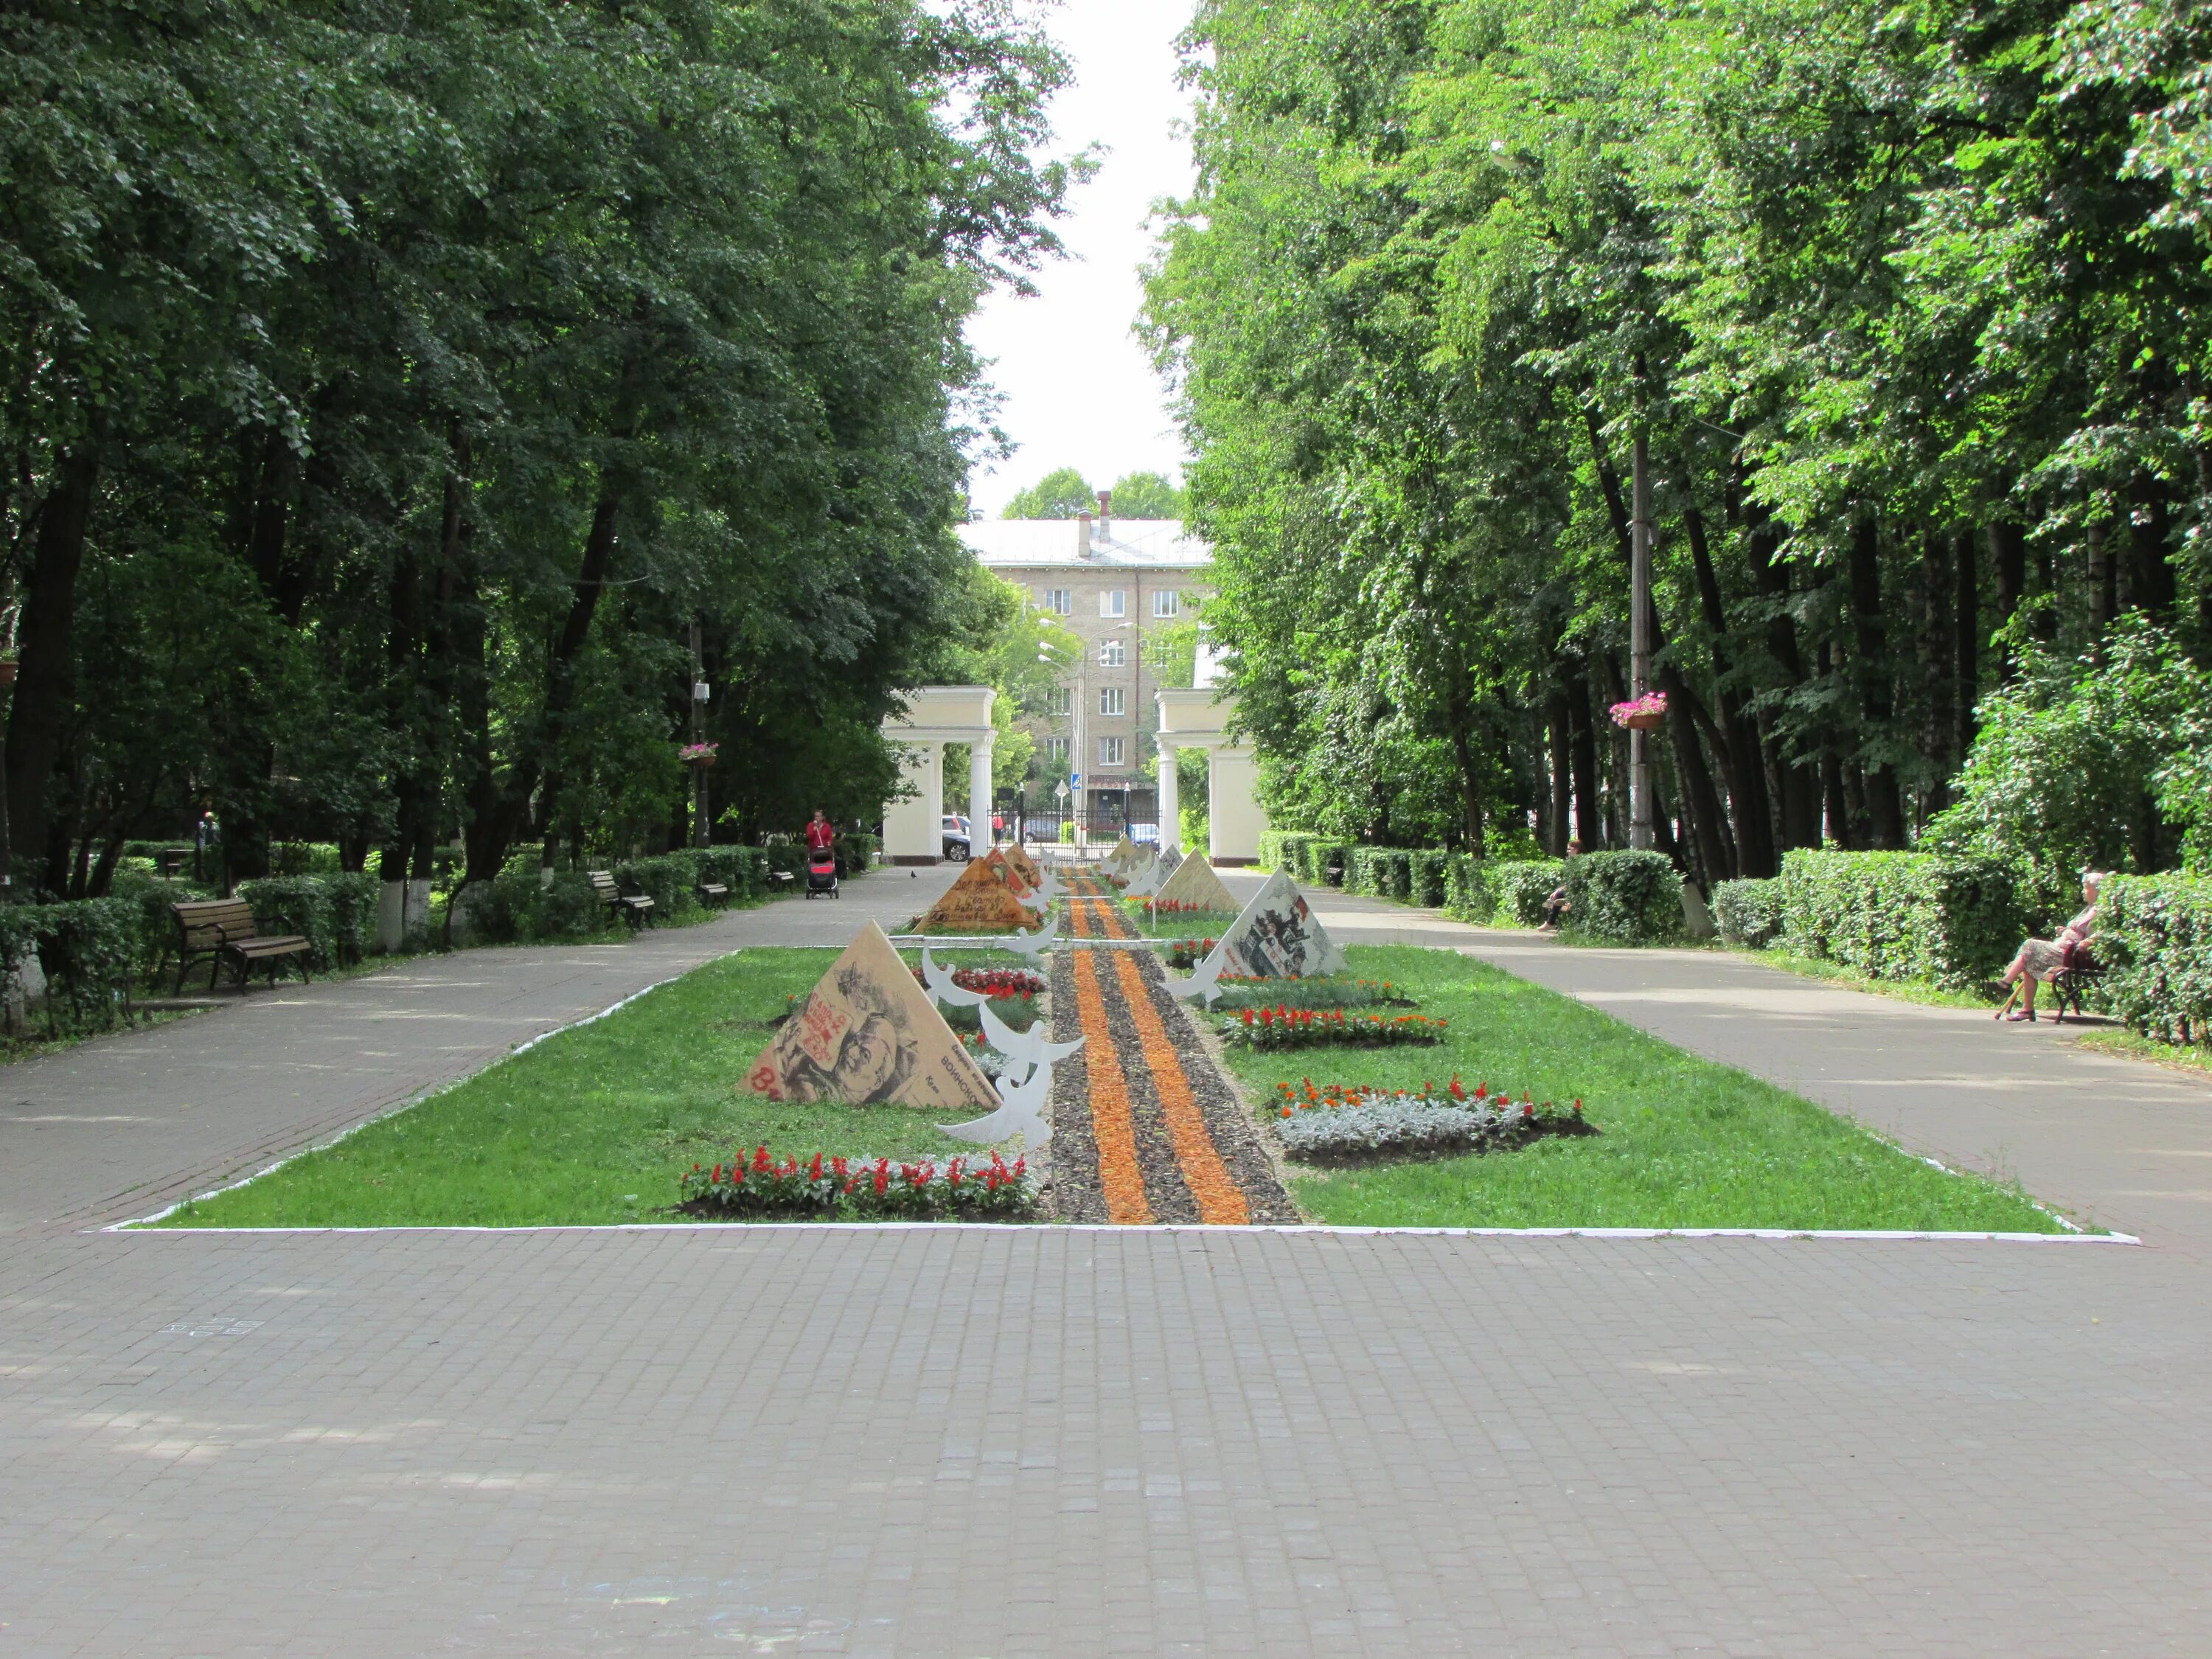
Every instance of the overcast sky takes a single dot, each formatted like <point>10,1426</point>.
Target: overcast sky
<point>1078,389</point>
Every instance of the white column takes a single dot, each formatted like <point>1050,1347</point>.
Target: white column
<point>979,794</point>
<point>913,826</point>
<point>1170,797</point>
<point>1235,819</point>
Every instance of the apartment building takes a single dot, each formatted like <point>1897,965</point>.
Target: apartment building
<point>1107,581</point>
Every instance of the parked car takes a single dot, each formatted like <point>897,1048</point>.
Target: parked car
<point>958,844</point>
<point>1144,834</point>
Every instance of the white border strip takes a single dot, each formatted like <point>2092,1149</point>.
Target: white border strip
<point>725,1228</point>
<point>431,1093</point>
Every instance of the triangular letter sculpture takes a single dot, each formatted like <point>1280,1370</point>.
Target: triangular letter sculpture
<point>979,902</point>
<point>1194,884</point>
<point>868,1035</point>
<point>1149,877</point>
<point>1020,857</point>
<point>1277,938</point>
<point>1010,872</point>
<point>1123,854</point>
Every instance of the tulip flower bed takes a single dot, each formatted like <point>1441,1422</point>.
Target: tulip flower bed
<point>999,984</point>
<point>1686,1142</point>
<point>1333,1124</point>
<point>859,1189</point>
<point>1190,953</point>
<point>1268,1030</point>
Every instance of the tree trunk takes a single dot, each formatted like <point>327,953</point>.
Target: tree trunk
<point>2104,587</point>
<point>1560,727</point>
<point>1939,667</point>
<point>1885,801</point>
<point>46,671</point>
<point>1966,615</point>
<point>1588,824</point>
<point>2151,585</point>
<point>2009,551</point>
<point>1750,809</point>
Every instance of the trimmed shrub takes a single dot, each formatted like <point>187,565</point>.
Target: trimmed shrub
<point>1956,920</point>
<point>1379,871</point>
<point>2153,940</point>
<point>1523,885</point>
<point>1285,849</point>
<point>1328,863</point>
<point>785,856</point>
<point>90,951</point>
<point>855,849</point>
<point>1470,888</point>
<point>296,904</point>
<point>1425,878</point>
<point>1623,898</point>
<point>670,880</point>
<point>1747,913</point>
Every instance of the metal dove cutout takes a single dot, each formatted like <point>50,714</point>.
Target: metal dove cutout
<point>1020,1109</point>
<point>941,985</point>
<point>1036,944</point>
<point>1022,1050</point>
<point>1205,981</point>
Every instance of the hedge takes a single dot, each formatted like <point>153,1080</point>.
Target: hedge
<point>2153,939</point>
<point>1285,849</point>
<point>1379,871</point>
<point>1327,863</point>
<point>1426,873</point>
<point>1747,913</point>
<point>1623,898</point>
<point>1523,884</point>
<point>336,913</point>
<point>90,951</point>
<point>1956,920</point>
<point>1470,888</point>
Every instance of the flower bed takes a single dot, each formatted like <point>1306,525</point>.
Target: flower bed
<point>860,1189</point>
<point>1190,953</point>
<point>1285,1027</point>
<point>1335,1124</point>
<point>999,984</point>
<point>1177,907</point>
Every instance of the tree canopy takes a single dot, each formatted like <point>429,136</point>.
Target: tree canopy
<point>1063,494</point>
<point>389,390</point>
<point>1907,306</point>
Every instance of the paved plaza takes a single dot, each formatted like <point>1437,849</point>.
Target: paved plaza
<point>968,1443</point>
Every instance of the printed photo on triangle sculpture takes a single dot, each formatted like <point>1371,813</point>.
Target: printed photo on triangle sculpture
<point>868,1035</point>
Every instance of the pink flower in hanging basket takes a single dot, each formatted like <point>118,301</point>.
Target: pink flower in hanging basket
<point>697,754</point>
<point>1646,712</point>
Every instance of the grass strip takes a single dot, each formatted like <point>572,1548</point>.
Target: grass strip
<point>1684,1142</point>
<point>595,1125</point>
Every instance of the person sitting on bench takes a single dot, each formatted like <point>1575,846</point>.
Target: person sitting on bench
<point>2042,959</point>
<point>1557,905</point>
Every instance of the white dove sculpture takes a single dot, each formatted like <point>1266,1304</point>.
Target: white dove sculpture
<point>1049,889</point>
<point>941,985</point>
<point>1036,944</point>
<point>1205,981</point>
<point>1020,1106</point>
<point>1022,1050</point>
<point>1145,883</point>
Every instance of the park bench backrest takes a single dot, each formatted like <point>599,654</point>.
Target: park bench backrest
<point>210,922</point>
<point>603,884</point>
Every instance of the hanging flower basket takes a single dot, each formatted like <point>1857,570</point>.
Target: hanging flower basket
<point>697,754</point>
<point>1645,713</point>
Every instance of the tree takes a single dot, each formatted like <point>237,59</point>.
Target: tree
<point>1146,495</point>
<point>1060,494</point>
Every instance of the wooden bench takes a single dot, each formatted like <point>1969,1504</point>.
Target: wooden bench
<point>635,908</point>
<point>222,930</point>
<point>2078,973</point>
<point>716,893</point>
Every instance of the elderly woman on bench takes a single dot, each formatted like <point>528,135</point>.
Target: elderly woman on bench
<point>2041,960</point>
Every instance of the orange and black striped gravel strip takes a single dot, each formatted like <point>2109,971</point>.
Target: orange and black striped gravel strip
<point>1113,1125</point>
<point>1219,1203</point>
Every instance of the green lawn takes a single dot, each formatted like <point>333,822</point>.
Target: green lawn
<point>1685,1143</point>
<point>595,1125</point>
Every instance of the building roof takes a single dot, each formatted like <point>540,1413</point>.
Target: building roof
<point>1034,543</point>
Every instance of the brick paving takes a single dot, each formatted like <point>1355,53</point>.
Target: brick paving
<point>991,1442</point>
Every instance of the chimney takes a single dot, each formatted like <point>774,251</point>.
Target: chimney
<point>1083,535</point>
<point>1105,515</point>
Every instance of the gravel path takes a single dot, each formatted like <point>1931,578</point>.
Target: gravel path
<point>1147,1127</point>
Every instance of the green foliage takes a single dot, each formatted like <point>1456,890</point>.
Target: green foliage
<point>1425,878</point>
<point>1379,871</point>
<point>1748,913</point>
<point>1954,921</point>
<point>1471,891</point>
<point>2154,941</point>
<point>1623,898</point>
<point>1523,884</point>
<point>1060,495</point>
<point>90,951</point>
<point>1280,849</point>
<point>296,904</point>
<point>1146,495</point>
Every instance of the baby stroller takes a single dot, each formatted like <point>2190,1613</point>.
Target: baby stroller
<point>821,872</point>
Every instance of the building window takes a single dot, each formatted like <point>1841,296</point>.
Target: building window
<point>1060,702</point>
<point>1055,748</point>
<point>1112,653</point>
<point>1165,601</point>
<point>1110,700</point>
<point>1109,751</point>
<point>1056,600</point>
<point>1114,602</point>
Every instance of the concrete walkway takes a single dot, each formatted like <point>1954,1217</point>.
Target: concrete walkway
<point>955,1444</point>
